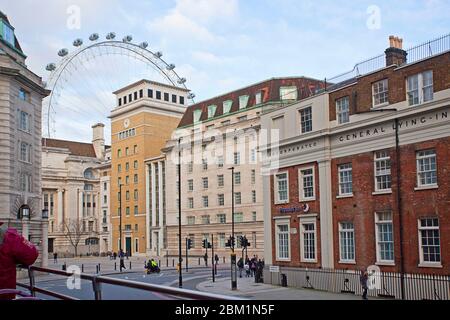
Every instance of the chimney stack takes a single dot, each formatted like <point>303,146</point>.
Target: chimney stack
<point>395,55</point>
<point>98,140</point>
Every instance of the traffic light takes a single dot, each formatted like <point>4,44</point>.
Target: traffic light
<point>241,242</point>
<point>189,244</point>
<point>204,243</point>
<point>228,244</point>
<point>233,242</point>
<point>209,245</point>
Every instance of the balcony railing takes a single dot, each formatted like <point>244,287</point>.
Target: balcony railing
<point>97,280</point>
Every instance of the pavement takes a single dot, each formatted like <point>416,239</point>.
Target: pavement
<point>247,288</point>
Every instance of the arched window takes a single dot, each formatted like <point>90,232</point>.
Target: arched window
<point>89,174</point>
<point>88,187</point>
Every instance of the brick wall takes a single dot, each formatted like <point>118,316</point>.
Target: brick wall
<point>360,93</point>
<point>361,208</point>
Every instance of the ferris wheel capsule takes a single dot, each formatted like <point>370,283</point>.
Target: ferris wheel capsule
<point>127,38</point>
<point>191,95</point>
<point>143,45</point>
<point>170,67</point>
<point>159,54</point>
<point>50,67</point>
<point>182,81</point>
<point>63,52</point>
<point>94,37</point>
<point>110,36</point>
<point>78,43</point>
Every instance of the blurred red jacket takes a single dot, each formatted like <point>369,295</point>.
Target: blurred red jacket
<point>14,250</point>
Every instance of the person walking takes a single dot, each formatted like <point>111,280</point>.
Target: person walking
<point>122,260</point>
<point>55,258</point>
<point>364,278</point>
<point>247,269</point>
<point>14,250</point>
<point>240,265</point>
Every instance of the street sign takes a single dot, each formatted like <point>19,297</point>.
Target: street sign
<point>274,269</point>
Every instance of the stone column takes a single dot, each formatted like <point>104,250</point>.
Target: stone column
<point>147,210</point>
<point>161,207</point>
<point>44,262</point>
<point>153,195</point>
<point>60,207</point>
<point>326,214</point>
<point>267,220</point>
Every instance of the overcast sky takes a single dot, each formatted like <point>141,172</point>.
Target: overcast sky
<point>221,45</point>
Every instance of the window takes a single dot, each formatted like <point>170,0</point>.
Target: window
<point>130,97</point>
<point>141,93</point>
<point>166,97</point>
<point>288,93</point>
<point>119,181</point>
<point>136,210</point>
<point>238,217</point>
<point>221,241</point>
<point>191,203</point>
<point>220,161</point>
<point>197,115</point>
<point>380,95</point>
<point>307,191</point>
<point>135,165</point>
<point>282,240</point>
<point>420,88</point>
<point>308,240</point>
<point>205,183</point>
<point>227,106</point>
<point>127,195</point>
<point>127,211</point>
<point>191,185</point>
<point>253,177</point>
<point>127,151</point>
<point>174,98</point>
<point>226,123</point>
<point>25,152</point>
<point>105,186</point>
<point>181,100</point>
<point>281,187</point>
<point>253,154</point>
<point>206,219</point>
<point>120,102</point>
<point>306,120</point>
<point>382,171</point>
<point>237,178</point>
<point>135,96</point>
<point>237,198</point>
<point>384,237</point>
<point>190,167</point>
<point>343,110</point>
<point>345,179</point>
<point>119,168</point>
<point>127,180</point>
<point>243,102</point>
<point>136,180</point>
<point>150,93</point>
<point>158,95</point>
<point>221,200</point>
<point>253,196</point>
<point>191,220</point>
<point>243,118</point>
<point>127,166</point>
<point>23,95</point>
<point>258,98</point>
<point>105,199</point>
<point>212,111</point>
<point>205,164</point>
<point>254,217</point>
<point>8,34</point>
<point>26,181</point>
<point>429,238</point>
<point>426,168</point>
<point>222,218</point>
<point>135,149</point>
<point>24,121</point>
<point>125,100</point>
<point>220,181</point>
<point>347,242</point>
<point>237,158</point>
<point>205,200</point>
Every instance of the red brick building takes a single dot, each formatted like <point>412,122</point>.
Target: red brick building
<point>361,176</point>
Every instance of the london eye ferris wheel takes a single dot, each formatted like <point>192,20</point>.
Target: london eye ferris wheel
<point>82,82</point>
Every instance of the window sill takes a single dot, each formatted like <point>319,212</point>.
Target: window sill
<point>379,193</point>
<point>387,264</point>
<point>430,265</point>
<point>281,202</point>
<point>308,199</point>
<point>347,262</point>
<point>283,260</point>
<point>431,187</point>
<point>344,196</point>
<point>380,106</point>
<point>309,261</point>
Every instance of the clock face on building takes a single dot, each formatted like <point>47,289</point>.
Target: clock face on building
<point>126,123</point>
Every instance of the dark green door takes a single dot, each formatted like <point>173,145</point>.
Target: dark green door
<point>128,246</point>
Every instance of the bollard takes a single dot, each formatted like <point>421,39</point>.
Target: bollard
<point>167,261</point>
<point>64,267</point>
<point>198,261</point>
<point>96,269</point>
<point>173,263</point>
<point>223,259</point>
<point>99,267</point>
<point>159,264</point>
<point>115,266</point>
<point>130,265</point>
<point>82,268</point>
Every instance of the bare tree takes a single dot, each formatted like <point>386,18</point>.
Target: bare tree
<point>73,231</point>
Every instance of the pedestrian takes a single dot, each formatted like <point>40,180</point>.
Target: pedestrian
<point>364,278</point>
<point>122,261</point>
<point>240,265</point>
<point>115,255</point>
<point>14,250</point>
<point>55,257</point>
<point>247,270</point>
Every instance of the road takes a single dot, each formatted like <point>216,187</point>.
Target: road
<point>111,292</point>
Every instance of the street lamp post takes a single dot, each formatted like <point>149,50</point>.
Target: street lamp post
<point>44,261</point>
<point>233,254</point>
<point>120,218</point>
<point>180,257</point>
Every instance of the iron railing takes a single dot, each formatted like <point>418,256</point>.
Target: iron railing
<point>97,281</point>
<point>414,54</point>
<point>417,286</point>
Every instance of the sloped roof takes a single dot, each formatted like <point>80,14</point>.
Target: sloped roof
<point>270,93</point>
<point>80,149</point>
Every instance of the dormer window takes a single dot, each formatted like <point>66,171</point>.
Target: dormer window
<point>212,111</point>
<point>7,33</point>
<point>288,93</point>
<point>258,98</point>
<point>227,106</point>
<point>197,115</point>
<point>243,102</point>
